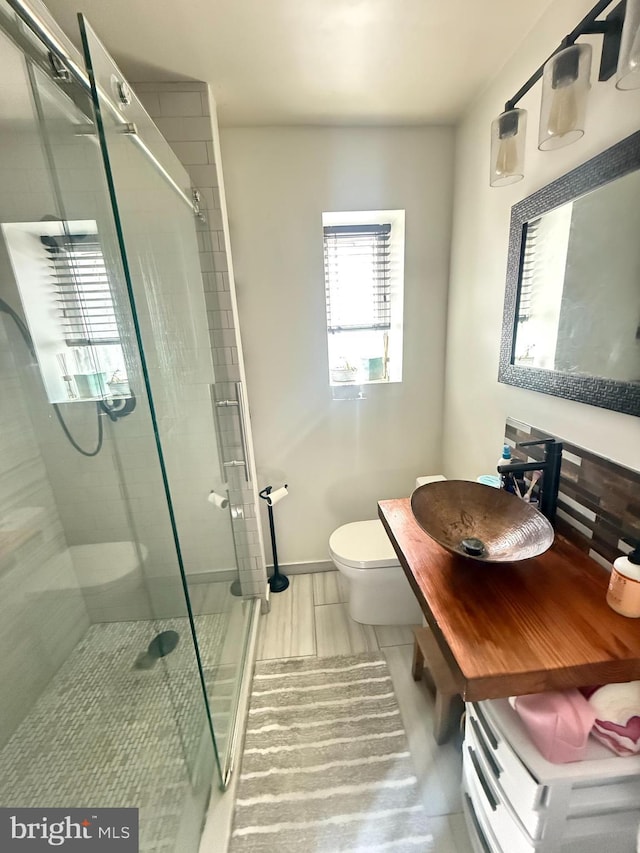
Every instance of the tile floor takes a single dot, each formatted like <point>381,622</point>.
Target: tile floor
<point>311,618</point>
<point>106,732</point>
<point>109,730</point>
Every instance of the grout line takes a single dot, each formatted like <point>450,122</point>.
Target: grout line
<point>314,633</point>
<point>315,628</point>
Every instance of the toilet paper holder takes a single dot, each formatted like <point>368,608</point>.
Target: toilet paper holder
<point>277,582</point>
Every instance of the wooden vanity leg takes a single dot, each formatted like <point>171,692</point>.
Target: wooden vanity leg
<point>429,664</point>
<point>446,716</point>
<point>418,661</point>
<point>441,718</point>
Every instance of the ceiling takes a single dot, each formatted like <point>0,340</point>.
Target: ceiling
<point>315,61</point>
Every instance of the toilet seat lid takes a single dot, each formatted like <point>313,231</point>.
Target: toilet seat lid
<point>363,545</point>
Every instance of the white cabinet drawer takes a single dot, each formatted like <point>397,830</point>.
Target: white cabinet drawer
<point>598,767</point>
<point>522,789</point>
<point>490,809</point>
<point>582,807</point>
<point>614,795</point>
<point>480,835</point>
<point>501,783</point>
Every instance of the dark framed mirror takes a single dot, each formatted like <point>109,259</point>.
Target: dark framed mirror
<point>571,322</point>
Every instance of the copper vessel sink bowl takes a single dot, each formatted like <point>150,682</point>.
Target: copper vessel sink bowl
<point>481,522</point>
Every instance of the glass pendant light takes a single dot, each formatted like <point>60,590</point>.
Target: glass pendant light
<point>507,147</point>
<point>629,60</point>
<point>565,86</point>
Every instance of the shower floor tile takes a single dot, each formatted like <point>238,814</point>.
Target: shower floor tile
<point>105,733</point>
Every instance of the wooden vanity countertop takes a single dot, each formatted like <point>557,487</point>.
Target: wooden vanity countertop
<point>514,628</point>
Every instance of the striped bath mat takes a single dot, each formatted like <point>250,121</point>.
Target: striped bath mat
<point>326,764</point>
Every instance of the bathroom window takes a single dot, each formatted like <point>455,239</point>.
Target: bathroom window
<point>540,298</point>
<point>82,289</point>
<point>69,307</point>
<point>87,315</point>
<point>364,271</point>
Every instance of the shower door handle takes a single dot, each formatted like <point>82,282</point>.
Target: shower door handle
<point>217,428</point>
<point>243,430</point>
<point>238,404</point>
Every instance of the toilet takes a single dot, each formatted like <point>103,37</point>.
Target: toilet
<point>379,592</point>
<point>110,576</point>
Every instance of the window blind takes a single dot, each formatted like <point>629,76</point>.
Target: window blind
<point>82,290</point>
<point>530,268</point>
<point>357,277</point>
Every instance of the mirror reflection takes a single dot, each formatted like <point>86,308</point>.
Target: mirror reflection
<point>578,306</point>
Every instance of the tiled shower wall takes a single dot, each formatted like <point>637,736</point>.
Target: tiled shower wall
<point>118,495</point>
<point>42,611</point>
<point>598,500</point>
<point>185,114</point>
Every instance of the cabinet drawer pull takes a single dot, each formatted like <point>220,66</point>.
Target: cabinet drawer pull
<point>480,776</point>
<point>486,751</point>
<point>485,726</point>
<point>476,825</point>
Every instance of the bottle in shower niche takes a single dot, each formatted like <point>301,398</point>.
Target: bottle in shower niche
<point>623,594</point>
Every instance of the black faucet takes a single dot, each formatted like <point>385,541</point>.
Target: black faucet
<point>550,468</point>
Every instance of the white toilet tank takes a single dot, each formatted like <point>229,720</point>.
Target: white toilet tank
<point>379,592</point>
<point>362,545</point>
<point>102,564</point>
<point>110,575</point>
<point>432,478</point>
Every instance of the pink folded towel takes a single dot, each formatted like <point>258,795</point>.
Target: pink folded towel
<point>558,722</point>
<point>617,711</point>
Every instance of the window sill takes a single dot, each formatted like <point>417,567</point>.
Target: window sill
<point>355,382</point>
<point>357,390</point>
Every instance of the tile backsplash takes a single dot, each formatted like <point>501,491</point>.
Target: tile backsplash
<point>598,501</point>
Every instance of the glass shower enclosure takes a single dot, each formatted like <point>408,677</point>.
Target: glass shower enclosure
<point>124,645</point>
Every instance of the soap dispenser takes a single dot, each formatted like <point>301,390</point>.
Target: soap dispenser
<point>506,480</point>
<point>623,594</point>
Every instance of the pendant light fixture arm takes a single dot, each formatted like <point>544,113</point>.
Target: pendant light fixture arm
<point>610,28</point>
<point>566,80</point>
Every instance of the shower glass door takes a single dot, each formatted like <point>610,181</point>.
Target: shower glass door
<point>151,198</point>
<point>102,701</point>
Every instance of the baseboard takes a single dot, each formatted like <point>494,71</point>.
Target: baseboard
<point>213,576</point>
<point>304,568</point>
<point>229,575</point>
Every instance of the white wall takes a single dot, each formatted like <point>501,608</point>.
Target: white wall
<point>338,457</point>
<point>475,403</point>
